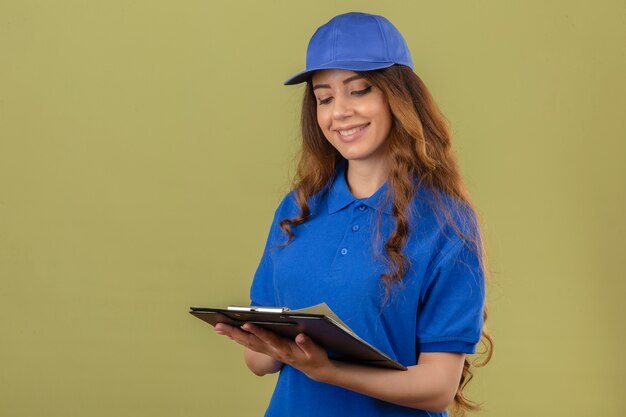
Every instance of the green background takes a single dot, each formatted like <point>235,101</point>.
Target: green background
<point>144,146</point>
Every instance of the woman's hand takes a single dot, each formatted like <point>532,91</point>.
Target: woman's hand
<point>428,385</point>
<point>301,353</point>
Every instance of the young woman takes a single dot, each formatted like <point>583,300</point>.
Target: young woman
<point>380,227</point>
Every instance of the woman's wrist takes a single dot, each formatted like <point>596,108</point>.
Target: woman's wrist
<point>325,373</point>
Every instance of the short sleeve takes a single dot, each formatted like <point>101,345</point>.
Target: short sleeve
<point>450,315</point>
<point>263,290</point>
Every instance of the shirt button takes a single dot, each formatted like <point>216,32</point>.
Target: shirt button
<point>355,227</point>
<point>361,208</point>
<point>344,251</point>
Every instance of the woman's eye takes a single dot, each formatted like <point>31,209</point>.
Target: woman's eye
<point>325,100</point>
<point>361,92</point>
<point>356,93</point>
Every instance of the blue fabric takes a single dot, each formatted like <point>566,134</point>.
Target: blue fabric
<point>354,41</point>
<point>337,258</point>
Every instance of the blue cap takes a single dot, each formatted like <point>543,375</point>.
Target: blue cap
<point>357,42</point>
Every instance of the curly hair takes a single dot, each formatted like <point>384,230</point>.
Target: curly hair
<point>420,151</point>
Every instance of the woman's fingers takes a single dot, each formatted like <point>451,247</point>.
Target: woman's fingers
<point>220,328</point>
<point>311,349</point>
<point>265,335</point>
<point>285,350</point>
<point>305,344</point>
<point>243,338</point>
<point>302,353</point>
<point>224,329</point>
<point>261,340</point>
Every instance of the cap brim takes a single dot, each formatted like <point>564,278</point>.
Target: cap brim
<point>344,65</point>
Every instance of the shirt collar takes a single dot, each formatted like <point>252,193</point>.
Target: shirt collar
<point>339,195</point>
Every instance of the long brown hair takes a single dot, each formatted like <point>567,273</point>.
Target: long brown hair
<point>420,151</point>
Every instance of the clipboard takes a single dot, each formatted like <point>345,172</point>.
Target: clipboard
<point>317,322</point>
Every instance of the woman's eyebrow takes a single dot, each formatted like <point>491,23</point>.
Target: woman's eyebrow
<point>346,81</point>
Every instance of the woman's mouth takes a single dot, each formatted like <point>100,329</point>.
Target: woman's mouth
<point>352,132</point>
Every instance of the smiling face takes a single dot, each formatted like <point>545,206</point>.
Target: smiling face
<point>353,115</point>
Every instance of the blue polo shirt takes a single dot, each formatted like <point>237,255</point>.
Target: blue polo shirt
<point>336,257</point>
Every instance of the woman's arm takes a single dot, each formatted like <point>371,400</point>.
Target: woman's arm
<point>429,385</point>
<point>261,364</point>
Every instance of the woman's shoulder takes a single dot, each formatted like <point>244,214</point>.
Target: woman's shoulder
<point>448,212</point>
<point>288,206</point>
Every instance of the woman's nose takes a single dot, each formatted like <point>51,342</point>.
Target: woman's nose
<point>342,108</point>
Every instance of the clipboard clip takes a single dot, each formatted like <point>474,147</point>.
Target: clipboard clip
<point>258,309</point>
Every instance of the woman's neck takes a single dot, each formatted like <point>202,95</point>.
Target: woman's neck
<point>365,178</point>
